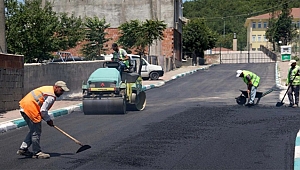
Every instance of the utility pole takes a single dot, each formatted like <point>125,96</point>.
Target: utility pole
<point>2,28</point>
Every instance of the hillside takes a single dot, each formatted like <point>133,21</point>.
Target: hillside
<point>229,16</point>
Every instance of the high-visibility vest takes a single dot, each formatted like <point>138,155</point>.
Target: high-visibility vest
<point>291,76</point>
<point>34,100</point>
<point>254,78</point>
<point>118,54</point>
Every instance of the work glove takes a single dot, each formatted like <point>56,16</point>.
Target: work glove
<point>50,123</point>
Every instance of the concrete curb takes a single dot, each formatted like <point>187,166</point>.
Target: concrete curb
<point>17,123</point>
<point>297,152</point>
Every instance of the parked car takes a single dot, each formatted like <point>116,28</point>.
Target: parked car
<point>148,70</point>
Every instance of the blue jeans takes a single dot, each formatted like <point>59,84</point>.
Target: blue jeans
<point>252,94</point>
<point>121,68</point>
<point>33,136</point>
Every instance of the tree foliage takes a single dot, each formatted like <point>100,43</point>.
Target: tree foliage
<point>36,32</point>
<point>140,35</point>
<point>197,37</point>
<point>95,38</point>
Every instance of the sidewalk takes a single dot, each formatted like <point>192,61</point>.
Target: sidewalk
<point>12,119</point>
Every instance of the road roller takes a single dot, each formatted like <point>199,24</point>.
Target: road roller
<point>109,90</point>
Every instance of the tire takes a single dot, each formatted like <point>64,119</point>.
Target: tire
<point>154,75</point>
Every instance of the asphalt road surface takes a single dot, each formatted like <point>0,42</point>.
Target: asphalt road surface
<point>189,123</point>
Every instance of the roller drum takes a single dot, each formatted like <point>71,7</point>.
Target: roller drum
<point>94,106</point>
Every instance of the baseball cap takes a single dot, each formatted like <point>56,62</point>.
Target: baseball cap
<point>238,73</point>
<point>63,85</point>
<point>292,61</point>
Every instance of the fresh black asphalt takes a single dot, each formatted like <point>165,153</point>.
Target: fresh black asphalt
<point>189,123</point>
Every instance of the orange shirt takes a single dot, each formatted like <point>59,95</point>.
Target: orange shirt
<point>33,101</point>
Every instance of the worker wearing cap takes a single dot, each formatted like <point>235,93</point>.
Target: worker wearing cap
<point>293,79</point>
<point>34,108</point>
<point>252,81</point>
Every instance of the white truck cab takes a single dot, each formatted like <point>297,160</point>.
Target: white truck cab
<point>148,70</point>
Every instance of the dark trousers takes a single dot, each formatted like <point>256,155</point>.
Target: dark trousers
<point>294,89</point>
<point>33,136</point>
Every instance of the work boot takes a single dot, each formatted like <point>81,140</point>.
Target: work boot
<point>249,104</point>
<point>24,152</point>
<point>41,155</point>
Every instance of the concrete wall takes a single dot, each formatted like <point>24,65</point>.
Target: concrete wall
<point>73,73</point>
<point>117,12</point>
<point>11,81</point>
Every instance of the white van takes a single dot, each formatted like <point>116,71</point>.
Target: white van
<point>148,70</point>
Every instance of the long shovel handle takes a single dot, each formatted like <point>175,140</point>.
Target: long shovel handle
<point>63,132</point>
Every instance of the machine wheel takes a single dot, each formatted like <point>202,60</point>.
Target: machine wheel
<point>139,102</point>
<point>154,75</point>
<point>110,105</point>
<point>241,100</point>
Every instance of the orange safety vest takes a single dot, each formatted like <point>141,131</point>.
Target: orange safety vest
<point>34,100</point>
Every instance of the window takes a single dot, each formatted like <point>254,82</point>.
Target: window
<point>259,38</point>
<point>253,24</point>
<point>253,49</point>
<point>259,25</point>
<point>265,24</point>
<point>265,38</point>
<point>253,38</point>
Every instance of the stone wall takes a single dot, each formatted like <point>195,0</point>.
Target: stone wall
<point>11,81</point>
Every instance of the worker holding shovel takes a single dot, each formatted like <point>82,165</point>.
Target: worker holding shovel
<point>293,80</point>
<point>34,108</point>
<point>252,82</point>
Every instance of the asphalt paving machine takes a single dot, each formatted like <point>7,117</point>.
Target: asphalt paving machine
<point>111,91</point>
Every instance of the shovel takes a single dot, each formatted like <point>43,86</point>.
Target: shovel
<point>82,148</point>
<point>278,104</point>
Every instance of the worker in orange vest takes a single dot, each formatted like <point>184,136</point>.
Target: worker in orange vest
<point>34,108</point>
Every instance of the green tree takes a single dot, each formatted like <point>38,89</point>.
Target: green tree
<point>36,32</point>
<point>152,31</point>
<point>95,38</point>
<point>69,31</point>
<point>197,37</point>
<point>129,34</point>
<point>140,35</point>
<point>281,31</point>
<point>30,30</point>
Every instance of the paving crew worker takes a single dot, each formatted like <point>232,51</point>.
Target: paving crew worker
<point>120,54</point>
<point>252,81</point>
<point>292,72</point>
<point>34,108</point>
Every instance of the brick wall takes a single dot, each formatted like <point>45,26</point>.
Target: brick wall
<point>11,81</point>
<point>167,45</point>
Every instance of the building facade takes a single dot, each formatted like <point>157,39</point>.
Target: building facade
<point>117,12</point>
<point>258,25</point>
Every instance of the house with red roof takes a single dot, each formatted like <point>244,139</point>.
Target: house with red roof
<point>257,27</point>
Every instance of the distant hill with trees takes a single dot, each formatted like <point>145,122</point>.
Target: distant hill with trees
<point>226,17</point>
